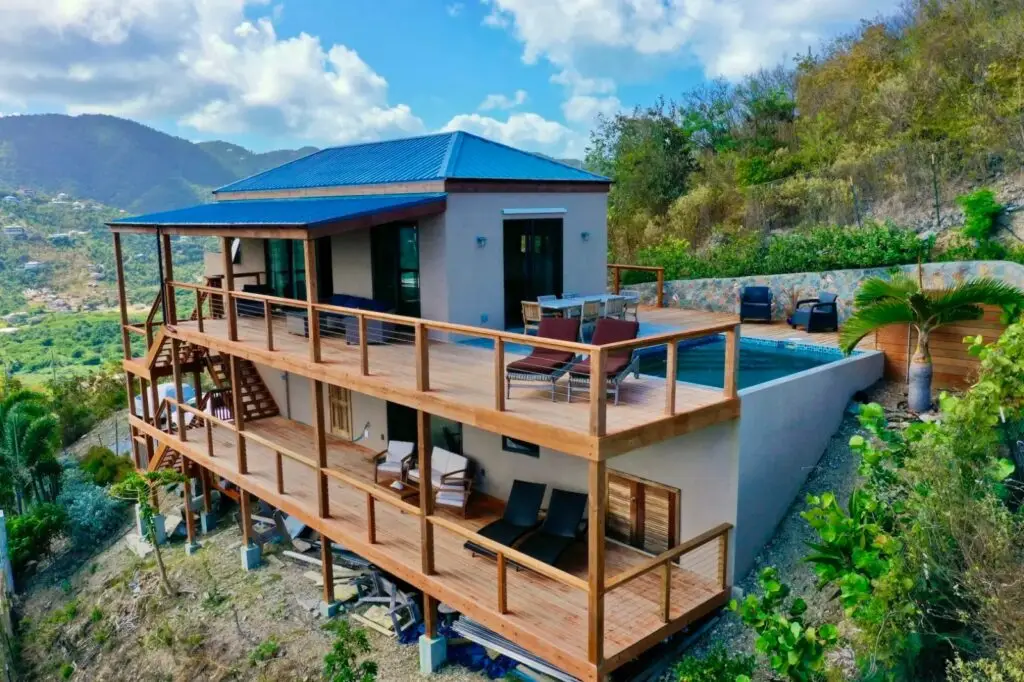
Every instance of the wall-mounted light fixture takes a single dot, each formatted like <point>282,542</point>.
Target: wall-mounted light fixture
<point>481,242</point>
<point>585,236</point>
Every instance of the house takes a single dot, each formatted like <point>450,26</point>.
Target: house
<point>369,295</point>
<point>11,199</point>
<point>15,232</point>
<point>34,266</point>
<point>61,239</point>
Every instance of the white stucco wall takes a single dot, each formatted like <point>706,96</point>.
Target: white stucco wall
<point>476,275</point>
<point>433,273</point>
<point>350,263</point>
<point>785,426</point>
<point>252,260</point>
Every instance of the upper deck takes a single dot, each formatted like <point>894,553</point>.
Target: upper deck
<point>458,371</point>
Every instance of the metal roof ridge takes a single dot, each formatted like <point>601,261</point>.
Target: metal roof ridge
<point>268,170</point>
<point>543,157</point>
<point>452,153</point>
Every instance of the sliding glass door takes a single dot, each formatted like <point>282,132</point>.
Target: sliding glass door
<point>286,268</point>
<point>533,263</point>
<point>395,257</point>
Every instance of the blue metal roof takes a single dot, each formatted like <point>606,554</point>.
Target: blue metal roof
<point>456,155</point>
<point>284,212</point>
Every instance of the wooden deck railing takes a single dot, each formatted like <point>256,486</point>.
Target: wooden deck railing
<point>666,559</point>
<point>659,274</point>
<point>424,330</point>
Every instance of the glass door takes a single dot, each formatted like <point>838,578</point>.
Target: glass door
<point>395,257</point>
<point>286,268</point>
<point>533,263</point>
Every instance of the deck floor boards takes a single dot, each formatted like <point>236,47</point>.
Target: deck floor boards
<point>541,609</point>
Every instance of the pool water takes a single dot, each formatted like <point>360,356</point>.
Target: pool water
<point>704,363</point>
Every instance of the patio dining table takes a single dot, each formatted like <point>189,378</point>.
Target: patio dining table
<point>564,305</point>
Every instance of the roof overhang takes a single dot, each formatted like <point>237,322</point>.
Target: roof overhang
<point>286,218</point>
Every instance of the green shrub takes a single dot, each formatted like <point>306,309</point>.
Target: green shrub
<point>104,466</point>
<point>92,515</point>
<point>1004,666</point>
<point>717,666</point>
<point>980,210</point>
<point>340,663</point>
<point>264,651</point>
<point>30,534</point>
<point>66,671</point>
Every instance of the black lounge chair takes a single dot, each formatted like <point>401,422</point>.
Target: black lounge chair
<point>816,314</point>
<point>519,518</point>
<point>756,304</point>
<point>564,524</point>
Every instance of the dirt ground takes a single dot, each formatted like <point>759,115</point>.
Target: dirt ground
<point>109,620</point>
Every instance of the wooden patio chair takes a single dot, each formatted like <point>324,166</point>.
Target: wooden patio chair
<point>450,479</point>
<point>618,365</point>
<point>545,365</point>
<point>520,516</point>
<point>631,307</point>
<point>547,312</point>
<point>531,316</point>
<point>615,308</point>
<point>590,315</point>
<point>393,462</point>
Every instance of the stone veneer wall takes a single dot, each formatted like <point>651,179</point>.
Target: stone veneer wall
<point>722,295</point>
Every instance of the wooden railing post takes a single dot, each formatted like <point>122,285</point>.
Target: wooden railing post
<point>502,585</point>
<point>199,310</point>
<point>320,450</point>
<point>732,362</point>
<point>179,394</point>
<point>209,437</point>
<point>666,592</point>
<point>122,297</point>
<point>598,393</point>
<point>422,357</point>
<point>309,253</point>
<point>723,559</point>
<point>597,489</point>
<point>371,519</point>
<point>170,301</point>
<point>229,285</point>
<point>661,287</point>
<point>671,370</point>
<point>499,374</point>
<point>279,470</point>
<point>616,279</point>
<point>238,408</point>
<point>270,324</point>
<point>364,348</point>
<point>426,492</point>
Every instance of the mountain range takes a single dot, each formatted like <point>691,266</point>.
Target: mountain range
<point>121,163</point>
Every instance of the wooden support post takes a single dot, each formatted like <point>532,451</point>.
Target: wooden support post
<point>661,287</point>
<point>429,616</point>
<point>229,285</point>
<point>732,362</point>
<point>671,369</point>
<point>279,469</point>
<point>179,393</point>
<point>364,348</point>
<point>666,592</point>
<point>309,252</point>
<point>371,519</point>
<point>327,565</point>
<point>154,391</point>
<point>122,297</point>
<point>502,586</point>
<point>616,279</point>
<point>598,393</point>
<point>169,298</point>
<point>204,480</point>
<point>320,450</point>
<point>190,522</point>
<point>595,560</point>
<point>422,357</point>
<point>146,418</point>
<point>270,324</point>
<point>499,374</point>
<point>238,411</point>
<point>426,492</point>
<point>199,310</point>
<point>245,512</point>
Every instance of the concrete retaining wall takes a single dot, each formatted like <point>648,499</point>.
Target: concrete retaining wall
<point>722,295</point>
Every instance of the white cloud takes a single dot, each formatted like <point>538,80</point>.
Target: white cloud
<point>200,62</point>
<point>728,37</point>
<point>454,9</point>
<point>525,130</point>
<point>586,108</point>
<point>501,101</point>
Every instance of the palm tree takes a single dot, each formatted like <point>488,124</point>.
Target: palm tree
<point>904,300</point>
<point>29,439</point>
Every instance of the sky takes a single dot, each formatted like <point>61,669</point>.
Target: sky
<point>271,74</point>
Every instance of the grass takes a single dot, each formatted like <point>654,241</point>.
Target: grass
<point>264,651</point>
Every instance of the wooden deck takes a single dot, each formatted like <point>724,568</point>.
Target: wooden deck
<point>683,318</point>
<point>544,616</point>
<point>462,387</point>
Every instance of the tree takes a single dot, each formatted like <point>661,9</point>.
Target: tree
<point>29,438</point>
<point>904,300</point>
<point>138,488</point>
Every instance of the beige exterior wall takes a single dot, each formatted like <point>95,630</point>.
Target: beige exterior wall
<point>433,273</point>
<point>475,275</point>
<point>350,263</point>
<point>252,259</point>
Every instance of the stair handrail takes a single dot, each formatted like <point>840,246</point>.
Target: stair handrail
<point>157,305</point>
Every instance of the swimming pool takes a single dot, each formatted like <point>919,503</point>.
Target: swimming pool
<point>761,360</point>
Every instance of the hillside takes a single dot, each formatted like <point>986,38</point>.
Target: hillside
<point>118,162</point>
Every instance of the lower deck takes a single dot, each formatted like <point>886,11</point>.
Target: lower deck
<point>545,616</point>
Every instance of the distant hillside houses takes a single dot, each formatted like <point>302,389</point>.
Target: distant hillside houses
<point>15,232</point>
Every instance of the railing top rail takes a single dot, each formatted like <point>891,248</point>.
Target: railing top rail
<point>511,554</point>
<point>667,556</point>
<point>372,489</point>
<point>645,268</point>
<point>669,337</point>
<point>276,447</point>
<point>199,413</point>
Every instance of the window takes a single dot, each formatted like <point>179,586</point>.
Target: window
<point>286,268</point>
<point>520,447</point>
<point>642,513</point>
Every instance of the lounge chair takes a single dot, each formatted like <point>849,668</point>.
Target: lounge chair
<point>393,462</point>
<point>450,478</point>
<point>756,304</point>
<point>618,364</point>
<point>816,314</point>
<point>564,524</point>
<point>521,515</point>
<point>545,365</point>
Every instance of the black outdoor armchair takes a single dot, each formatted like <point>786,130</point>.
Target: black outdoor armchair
<point>756,304</point>
<point>564,524</point>
<point>816,314</point>
<point>521,515</point>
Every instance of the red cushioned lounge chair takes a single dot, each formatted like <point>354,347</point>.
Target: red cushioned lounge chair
<point>618,364</point>
<point>545,365</point>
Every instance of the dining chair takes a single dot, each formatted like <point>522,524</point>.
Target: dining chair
<point>632,307</point>
<point>616,308</point>
<point>590,315</point>
<point>548,312</point>
<point>531,316</point>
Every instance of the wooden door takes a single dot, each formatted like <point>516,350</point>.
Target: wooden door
<point>642,513</point>
<point>340,400</point>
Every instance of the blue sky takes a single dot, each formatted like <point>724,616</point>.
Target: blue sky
<point>269,74</point>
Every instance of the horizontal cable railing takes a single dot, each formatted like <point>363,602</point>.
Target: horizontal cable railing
<point>452,359</point>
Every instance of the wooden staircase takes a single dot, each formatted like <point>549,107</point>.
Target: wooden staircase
<point>256,399</point>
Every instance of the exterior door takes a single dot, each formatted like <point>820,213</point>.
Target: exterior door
<point>642,513</point>
<point>395,259</point>
<point>286,268</point>
<point>340,400</point>
<point>533,263</point>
